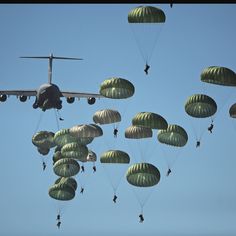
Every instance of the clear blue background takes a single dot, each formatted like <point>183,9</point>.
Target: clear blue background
<point>198,198</point>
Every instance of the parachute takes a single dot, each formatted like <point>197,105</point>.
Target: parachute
<point>139,141</point>
<point>63,137</point>
<point>232,111</point>
<point>69,181</point>
<point>61,191</point>
<point>92,157</point>
<point>86,131</point>
<point>106,116</point>
<point>143,175</point>
<point>149,120</point>
<point>219,75</point>
<point>232,114</point>
<point>43,151</point>
<point>200,106</point>
<point>84,140</point>
<point>75,151</point>
<point>66,167</point>
<point>43,139</point>
<point>173,138</point>
<point>57,155</point>
<point>143,178</point>
<point>138,132</point>
<point>115,156</point>
<point>146,23</point>
<point>114,164</point>
<point>117,88</point>
<point>174,135</point>
<point>146,14</point>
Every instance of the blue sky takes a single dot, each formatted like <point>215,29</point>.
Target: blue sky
<point>198,198</point>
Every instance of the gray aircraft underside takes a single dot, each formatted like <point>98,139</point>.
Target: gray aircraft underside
<point>49,95</point>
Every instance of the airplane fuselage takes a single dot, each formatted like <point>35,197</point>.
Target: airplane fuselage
<point>48,96</point>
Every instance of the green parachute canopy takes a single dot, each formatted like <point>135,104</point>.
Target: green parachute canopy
<point>92,157</point>
<point>106,116</point>
<point>66,167</point>
<point>149,120</point>
<point>84,140</point>
<point>43,151</point>
<point>146,14</point>
<point>138,132</point>
<point>57,156</point>
<point>200,106</point>
<point>232,111</point>
<point>117,88</point>
<point>63,137</point>
<point>143,175</point>
<point>69,181</point>
<point>86,131</point>
<point>75,151</point>
<point>115,156</point>
<point>62,192</point>
<point>174,135</point>
<point>43,139</point>
<point>219,75</point>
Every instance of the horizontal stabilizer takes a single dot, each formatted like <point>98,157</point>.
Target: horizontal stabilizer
<point>52,57</point>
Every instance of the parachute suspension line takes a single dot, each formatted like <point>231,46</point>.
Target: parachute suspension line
<point>80,183</point>
<point>170,163</point>
<point>175,158</point>
<point>233,123</point>
<point>59,211</point>
<point>109,178</point>
<point>108,141</point>
<point>137,197</point>
<point>44,160</point>
<point>152,150</point>
<point>141,206</point>
<point>60,208</point>
<point>212,119</point>
<point>140,150</point>
<point>154,44</point>
<point>146,152</point>
<point>202,133</point>
<point>146,30</point>
<point>39,121</point>
<point>56,116</point>
<point>115,187</point>
<point>86,178</point>
<point>138,43</point>
<point>224,103</point>
<point>144,149</point>
<point>131,150</point>
<point>142,202</point>
<point>165,157</point>
<point>194,131</point>
<point>116,125</point>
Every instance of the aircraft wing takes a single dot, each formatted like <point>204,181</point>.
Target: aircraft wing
<point>19,92</point>
<point>81,95</point>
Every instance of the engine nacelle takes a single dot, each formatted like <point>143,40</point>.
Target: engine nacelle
<point>91,100</point>
<point>3,97</point>
<point>70,99</point>
<point>23,98</point>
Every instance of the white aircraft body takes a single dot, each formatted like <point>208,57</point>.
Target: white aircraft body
<point>49,95</point>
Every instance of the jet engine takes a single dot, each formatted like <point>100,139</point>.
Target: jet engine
<point>91,100</point>
<point>3,97</point>
<point>23,98</point>
<point>70,99</point>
